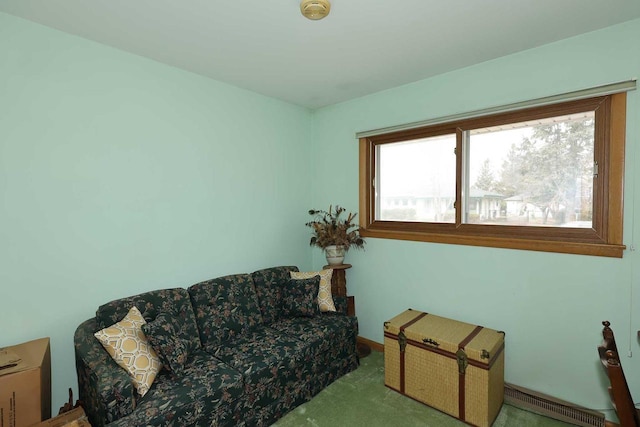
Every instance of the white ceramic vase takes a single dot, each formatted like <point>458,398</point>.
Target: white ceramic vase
<point>334,254</point>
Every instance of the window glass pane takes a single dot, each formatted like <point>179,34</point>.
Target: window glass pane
<point>416,180</point>
<point>536,173</point>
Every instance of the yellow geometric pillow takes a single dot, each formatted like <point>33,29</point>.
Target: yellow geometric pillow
<point>325,301</point>
<point>128,346</point>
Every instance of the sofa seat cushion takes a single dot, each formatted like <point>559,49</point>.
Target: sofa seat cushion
<point>208,387</point>
<point>150,304</point>
<point>317,333</point>
<point>225,307</point>
<point>263,355</point>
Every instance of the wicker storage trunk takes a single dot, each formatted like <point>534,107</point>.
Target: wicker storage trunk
<point>455,367</point>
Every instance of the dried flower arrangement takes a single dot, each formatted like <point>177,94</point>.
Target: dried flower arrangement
<point>330,229</point>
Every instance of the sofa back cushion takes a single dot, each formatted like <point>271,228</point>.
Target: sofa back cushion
<point>225,307</point>
<point>269,283</point>
<point>174,302</point>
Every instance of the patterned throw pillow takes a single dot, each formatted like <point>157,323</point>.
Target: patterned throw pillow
<point>163,336</point>
<point>325,301</point>
<point>299,297</point>
<point>128,346</point>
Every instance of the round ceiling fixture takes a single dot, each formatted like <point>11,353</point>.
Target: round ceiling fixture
<point>315,9</point>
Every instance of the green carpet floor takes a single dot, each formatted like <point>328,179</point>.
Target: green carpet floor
<point>360,398</point>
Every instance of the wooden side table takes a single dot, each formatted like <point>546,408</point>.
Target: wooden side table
<point>339,288</point>
<point>339,285</point>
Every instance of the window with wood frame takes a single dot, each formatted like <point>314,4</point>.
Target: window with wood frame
<point>545,178</point>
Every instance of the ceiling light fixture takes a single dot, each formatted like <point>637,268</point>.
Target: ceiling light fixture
<point>315,9</point>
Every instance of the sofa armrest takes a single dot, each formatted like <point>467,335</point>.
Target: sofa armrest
<point>106,390</point>
<point>340,303</point>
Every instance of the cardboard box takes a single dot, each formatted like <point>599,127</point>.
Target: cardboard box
<point>25,386</point>
<point>74,418</point>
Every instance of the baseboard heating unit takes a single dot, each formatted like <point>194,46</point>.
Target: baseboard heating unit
<point>552,407</point>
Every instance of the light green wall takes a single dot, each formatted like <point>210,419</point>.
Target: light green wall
<point>550,305</point>
<point>120,175</point>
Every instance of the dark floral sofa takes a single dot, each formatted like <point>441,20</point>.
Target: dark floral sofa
<point>251,360</point>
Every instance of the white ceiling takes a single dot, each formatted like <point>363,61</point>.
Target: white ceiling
<point>362,47</point>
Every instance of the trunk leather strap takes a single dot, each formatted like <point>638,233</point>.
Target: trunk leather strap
<point>402,328</point>
<point>461,373</point>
